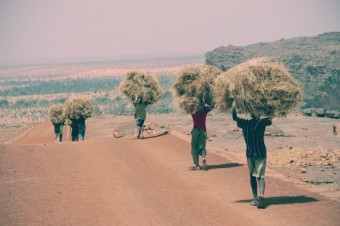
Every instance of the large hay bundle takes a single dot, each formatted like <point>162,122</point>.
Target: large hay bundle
<point>57,113</point>
<point>141,87</point>
<point>78,107</point>
<point>193,86</point>
<point>258,87</point>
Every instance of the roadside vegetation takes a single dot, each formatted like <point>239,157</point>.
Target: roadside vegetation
<point>29,100</point>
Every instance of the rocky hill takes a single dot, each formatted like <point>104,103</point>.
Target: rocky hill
<point>314,61</point>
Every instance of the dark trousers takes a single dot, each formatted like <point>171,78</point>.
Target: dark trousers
<point>198,142</point>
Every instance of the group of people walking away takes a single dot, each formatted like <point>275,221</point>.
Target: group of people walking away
<point>253,132</point>
<point>77,129</point>
<point>259,87</point>
<point>201,88</point>
<point>75,112</point>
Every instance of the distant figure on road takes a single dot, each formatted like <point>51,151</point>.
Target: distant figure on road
<point>199,137</point>
<point>81,127</point>
<point>58,130</point>
<point>256,152</point>
<point>140,116</point>
<point>74,126</point>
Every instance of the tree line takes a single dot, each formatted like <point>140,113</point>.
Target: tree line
<point>105,104</point>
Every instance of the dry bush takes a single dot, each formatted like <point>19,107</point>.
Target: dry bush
<point>57,113</point>
<point>193,87</point>
<point>78,107</point>
<point>258,87</point>
<point>141,87</point>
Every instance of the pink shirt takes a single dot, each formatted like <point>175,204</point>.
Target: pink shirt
<point>199,119</point>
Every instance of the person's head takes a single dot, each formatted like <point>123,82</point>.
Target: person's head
<point>254,117</point>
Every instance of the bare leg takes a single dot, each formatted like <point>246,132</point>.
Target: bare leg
<point>262,202</point>
<point>140,132</point>
<point>253,184</point>
<point>262,185</point>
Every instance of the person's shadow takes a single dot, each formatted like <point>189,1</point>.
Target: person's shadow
<point>226,165</point>
<point>282,200</point>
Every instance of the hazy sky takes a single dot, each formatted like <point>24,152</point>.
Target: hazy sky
<point>47,29</point>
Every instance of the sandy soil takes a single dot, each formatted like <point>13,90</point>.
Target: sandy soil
<point>125,181</point>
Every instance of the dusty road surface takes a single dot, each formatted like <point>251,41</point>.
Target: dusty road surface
<point>108,181</point>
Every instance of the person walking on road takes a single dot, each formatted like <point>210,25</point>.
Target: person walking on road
<point>74,126</point>
<point>58,130</point>
<point>256,152</point>
<point>199,137</point>
<point>81,128</point>
<point>140,116</point>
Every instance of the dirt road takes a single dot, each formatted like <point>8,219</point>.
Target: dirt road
<point>107,181</point>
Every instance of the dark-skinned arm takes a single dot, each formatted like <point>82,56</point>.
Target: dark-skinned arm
<point>234,114</point>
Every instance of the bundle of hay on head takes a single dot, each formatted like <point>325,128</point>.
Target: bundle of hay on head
<point>193,86</point>
<point>57,114</point>
<point>78,107</point>
<point>259,87</point>
<point>141,87</point>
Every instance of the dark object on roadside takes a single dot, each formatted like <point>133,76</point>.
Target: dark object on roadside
<point>335,130</point>
<point>320,112</point>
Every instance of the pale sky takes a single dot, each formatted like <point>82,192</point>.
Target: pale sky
<point>49,29</point>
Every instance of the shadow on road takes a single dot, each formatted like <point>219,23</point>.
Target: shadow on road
<point>281,200</point>
<point>227,165</point>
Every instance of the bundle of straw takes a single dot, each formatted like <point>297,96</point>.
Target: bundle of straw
<point>78,107</point>
<point>258,87</point>
<point>57,113</point>
<point>141,87</point>
<point>193,86</point>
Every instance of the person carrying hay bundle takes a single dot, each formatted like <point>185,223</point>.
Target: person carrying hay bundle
<point>262,89</point>
<point>57,115</point>
<point>256,152</point>
<point>77,111</point>
<point>199,137</point>
<point>81,127</point>
<point>193,86</point>
<point>74,128</point>
<point>140,116</point>
<point>142,89</point>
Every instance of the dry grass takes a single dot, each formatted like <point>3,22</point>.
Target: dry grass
<point>57,113</point>
<point>259,87</point>
<point>78,107</point>
<point>141,87</point>
<point>193,87</point>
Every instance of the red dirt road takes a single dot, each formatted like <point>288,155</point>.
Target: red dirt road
<point>107,181</point>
